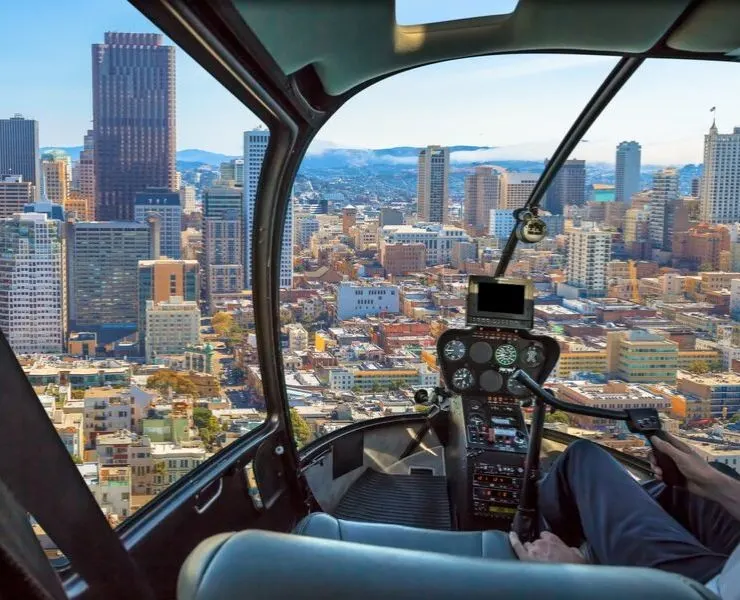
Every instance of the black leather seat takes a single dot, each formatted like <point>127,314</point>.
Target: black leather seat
<point>261,564</point>
<point>482,544</point>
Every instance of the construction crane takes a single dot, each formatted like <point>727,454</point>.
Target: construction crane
<point>634,286</point>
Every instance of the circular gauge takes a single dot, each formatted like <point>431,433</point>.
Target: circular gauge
<point>531,357</point>
<point>476,421</point>
<point>462,379</point>
<point>506,355</point>
<point>491,380</point>
<point>475,405</point>
<point>454,350</point>
<point>515,388</point>
<point>481,352</point>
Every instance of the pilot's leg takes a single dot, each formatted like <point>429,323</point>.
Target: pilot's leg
<point>708,521</point>
<point>588,496</point>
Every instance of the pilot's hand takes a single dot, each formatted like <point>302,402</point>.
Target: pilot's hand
<point>548,548</point>
<point>701,477</point>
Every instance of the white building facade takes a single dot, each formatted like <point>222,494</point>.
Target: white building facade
<point>438,239</point>
<point>357,300</point>
<point>719,193</point>
<point>32,283</point>
<point>171,326</point>
<point>589,250</point>
<point>255,147</point>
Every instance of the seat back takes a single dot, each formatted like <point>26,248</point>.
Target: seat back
<point>260,564</point>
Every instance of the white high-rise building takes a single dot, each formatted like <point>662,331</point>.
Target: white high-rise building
<point>187,198</point>
<point>255,146</point>
<point>720,185</point>
<point>432,193</point>
<point>589,249</point>
<point>32,283</point>
<point>627,171</point>
<point>663,208</point>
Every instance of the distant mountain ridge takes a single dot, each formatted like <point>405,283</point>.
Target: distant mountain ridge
<point>190,155</point>
<point>328,156</point>
<point>323,157</point>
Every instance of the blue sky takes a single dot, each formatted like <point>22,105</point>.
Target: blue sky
<point>520,104</point>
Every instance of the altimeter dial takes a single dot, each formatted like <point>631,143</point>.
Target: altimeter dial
<point>462,379</point>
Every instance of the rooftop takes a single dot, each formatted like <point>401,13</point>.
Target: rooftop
<point>726,377</point>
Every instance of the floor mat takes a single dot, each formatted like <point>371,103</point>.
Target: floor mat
<point>418,500</point>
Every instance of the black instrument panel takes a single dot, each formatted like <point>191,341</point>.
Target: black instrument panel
<point>479,361</point>
<point>491,435</point>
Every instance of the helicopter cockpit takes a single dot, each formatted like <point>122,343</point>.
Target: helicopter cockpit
<point>489,457</point>
<point>413,496</point>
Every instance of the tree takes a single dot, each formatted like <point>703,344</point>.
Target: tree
<point>557,417</point>
<point>76,458</point>
<point>735,418</point>
<point>207,425</point>
<point>222,323</point>
<point>78,394</point>
<point>698,367</point>
<point>235,335</point>
<point>165,380</point>
<point>706,266</point>
<point>301,429</point>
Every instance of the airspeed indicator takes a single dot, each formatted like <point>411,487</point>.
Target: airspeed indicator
<point>506,355</point>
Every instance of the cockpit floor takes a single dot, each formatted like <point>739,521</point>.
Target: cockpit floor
<point>417,500</point>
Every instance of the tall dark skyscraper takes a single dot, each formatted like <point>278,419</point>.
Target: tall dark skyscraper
<point>133,120</point>
<point>568,187</point>
<point>19,149</point>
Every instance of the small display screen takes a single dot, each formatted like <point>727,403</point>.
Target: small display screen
<point>500,298</point>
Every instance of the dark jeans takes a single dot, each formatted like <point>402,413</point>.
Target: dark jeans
<point>588,496</point>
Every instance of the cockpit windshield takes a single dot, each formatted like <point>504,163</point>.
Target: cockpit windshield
<point>128,192</point>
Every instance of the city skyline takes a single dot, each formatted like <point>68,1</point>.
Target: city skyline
<point>493,101</point>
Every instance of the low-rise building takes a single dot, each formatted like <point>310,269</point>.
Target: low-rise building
<point>612,395</point>
<point>639,356</point>
<point>578,358</point>
<point>171,326</point>
<point>720,391</point>
<point>172,461</point>
<point>106,410</point>
<point>371,376</point>
<point>355,300</point>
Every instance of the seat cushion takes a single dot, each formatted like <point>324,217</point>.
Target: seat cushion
<point>261,565</point>
<point>482,544</point>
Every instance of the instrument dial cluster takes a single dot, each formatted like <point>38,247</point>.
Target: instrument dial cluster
<point>479,362</point>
